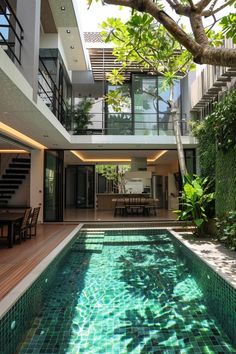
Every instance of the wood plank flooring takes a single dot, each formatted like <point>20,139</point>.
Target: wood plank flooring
<point>17,262</point>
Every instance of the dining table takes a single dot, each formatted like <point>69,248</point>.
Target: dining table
<point>10,219</point>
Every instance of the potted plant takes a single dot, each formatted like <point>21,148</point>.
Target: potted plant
<point>82,116</point>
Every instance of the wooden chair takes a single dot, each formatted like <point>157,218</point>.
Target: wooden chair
<point>119,207</point>
<point>32,227</point>
<point>21,228</point>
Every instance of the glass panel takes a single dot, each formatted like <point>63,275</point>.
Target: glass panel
<point>190,160</point>
<point>85,187</point>
<point>53,186</point>
<point>145,105</point>
<point>120,123</point>
<point>54,85</point>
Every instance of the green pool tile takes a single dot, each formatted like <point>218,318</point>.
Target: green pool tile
<point>131,292</point>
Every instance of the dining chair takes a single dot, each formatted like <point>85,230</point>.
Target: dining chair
<point>33,222</point>
<point>21,228</point>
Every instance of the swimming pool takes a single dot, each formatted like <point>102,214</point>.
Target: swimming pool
<point>125,291</point>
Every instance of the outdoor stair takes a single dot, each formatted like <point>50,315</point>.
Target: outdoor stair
<point>12,178</point>
<point>89,242</point>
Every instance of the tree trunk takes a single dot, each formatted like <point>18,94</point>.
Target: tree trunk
<point>176,125</point>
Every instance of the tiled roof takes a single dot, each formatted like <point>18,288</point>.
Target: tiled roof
<point>92,37</point>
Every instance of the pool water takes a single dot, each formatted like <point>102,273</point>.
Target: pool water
<point>120,292</point>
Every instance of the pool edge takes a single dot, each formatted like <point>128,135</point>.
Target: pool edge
<point>13,296</point>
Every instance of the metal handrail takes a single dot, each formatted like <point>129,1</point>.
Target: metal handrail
<point>60,107</point>
<point>13,13</point>
<point>10,26</point>
<point>9,45</point>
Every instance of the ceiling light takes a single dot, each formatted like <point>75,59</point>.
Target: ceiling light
<point>67,31</point>
<point>13,151</point>
<point>157,156</point>
<point>72,47</point>
<point>78,154</point>
<point>63,8</point>
<point>22,137</point>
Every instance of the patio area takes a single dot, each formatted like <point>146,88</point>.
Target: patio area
<point>17,262</point>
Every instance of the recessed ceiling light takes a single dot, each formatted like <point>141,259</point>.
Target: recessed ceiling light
<point>63,8</point>
<point>67,31</point>
<point>72,47</point>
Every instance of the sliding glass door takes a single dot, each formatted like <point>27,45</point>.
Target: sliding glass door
<point>53,185</point>
<point>80,189</point>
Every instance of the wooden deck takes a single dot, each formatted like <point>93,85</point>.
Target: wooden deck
<point>17,262</point>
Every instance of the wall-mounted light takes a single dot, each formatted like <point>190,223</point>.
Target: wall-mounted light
<point>72,47</point>
<point>63,8</point>
<point>68,31</point>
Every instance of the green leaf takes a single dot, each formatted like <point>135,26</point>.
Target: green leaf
<point>198,222</point>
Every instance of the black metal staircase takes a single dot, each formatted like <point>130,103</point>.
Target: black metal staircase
<point>12,178</point>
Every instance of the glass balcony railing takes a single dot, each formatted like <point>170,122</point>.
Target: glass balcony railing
<point>11,32</point>
<point>141,124</point>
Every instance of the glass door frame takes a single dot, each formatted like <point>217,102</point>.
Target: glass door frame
<point>59,190</point>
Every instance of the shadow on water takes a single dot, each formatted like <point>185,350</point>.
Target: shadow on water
<point>175,317</point>
<point>52,328</point>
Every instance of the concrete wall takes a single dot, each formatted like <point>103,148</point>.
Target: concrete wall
<point>36,180</point>
<point>22,195</point>
<point>28,13</point>
<point>53,41</point>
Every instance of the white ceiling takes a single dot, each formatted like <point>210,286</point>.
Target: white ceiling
<point>77,58</point>
<point>167,158</point>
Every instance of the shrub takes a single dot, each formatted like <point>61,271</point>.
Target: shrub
<point>195,201</point>
<point>226,230</point>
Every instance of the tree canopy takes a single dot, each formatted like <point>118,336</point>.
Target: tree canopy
<point>201,41</point>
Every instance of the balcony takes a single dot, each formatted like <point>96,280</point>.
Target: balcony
<point>51,87</point>
<point>11,32</point>
<point>141,124</point>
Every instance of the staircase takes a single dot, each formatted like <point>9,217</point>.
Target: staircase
<point>12,178</point>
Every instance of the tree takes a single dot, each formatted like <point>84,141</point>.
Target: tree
<point>159,55</point>
<point>199,42</point>
<point>114,174</point>
<point>82,116</point>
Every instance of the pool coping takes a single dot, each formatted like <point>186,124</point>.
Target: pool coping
<point>13,296</point>
<point>217,271</point>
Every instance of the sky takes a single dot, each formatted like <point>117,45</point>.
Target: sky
<point>97,13</point>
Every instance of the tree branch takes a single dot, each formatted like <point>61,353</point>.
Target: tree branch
<point>202,52</point>
<point>212,12</point>
<point>192,5</point>
<point>172,27</point>
<point>201,5</point>
<point>198,29</point>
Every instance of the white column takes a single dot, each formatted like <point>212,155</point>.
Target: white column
<point>28,13</point>
<point>36,181</point>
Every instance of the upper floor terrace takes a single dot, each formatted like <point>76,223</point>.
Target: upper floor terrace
<point>47,49</point>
